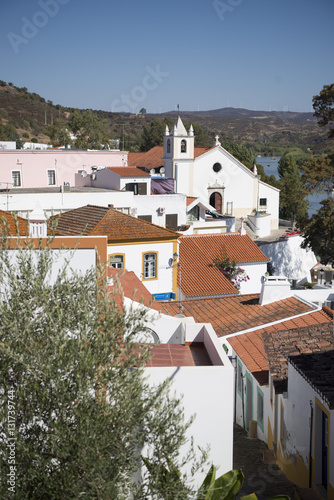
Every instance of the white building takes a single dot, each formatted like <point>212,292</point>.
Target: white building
<point>216,176</point>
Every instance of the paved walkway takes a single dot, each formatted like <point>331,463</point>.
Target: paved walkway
<point>265,480</point>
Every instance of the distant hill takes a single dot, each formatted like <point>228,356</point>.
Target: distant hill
<point>31,114</point>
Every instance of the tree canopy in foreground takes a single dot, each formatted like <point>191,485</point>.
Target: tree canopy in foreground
<point>73,390</point>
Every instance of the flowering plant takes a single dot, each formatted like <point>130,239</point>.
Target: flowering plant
<point>235,274</point>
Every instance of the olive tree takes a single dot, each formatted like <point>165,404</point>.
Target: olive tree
<point>76,411</point>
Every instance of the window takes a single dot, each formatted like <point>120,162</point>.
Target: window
<point>263,202</point>
<point>260,408</point>
<point>183,146</point>
<point>193,214</point>
<point>51,177</point>
<point>148,218</point>
<point>171,221</point>
<point>217,167</point>
<point>136,187</point>
<point>150,266</point>
<point>16,178</point>
<point>239,378</point>
<point>168,146</point>
<point>116,261</point>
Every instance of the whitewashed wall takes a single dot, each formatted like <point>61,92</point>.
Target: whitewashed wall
<point>255,271</point>
<point>50,202</point>
<point>289,259</point>
<point>134,262</point>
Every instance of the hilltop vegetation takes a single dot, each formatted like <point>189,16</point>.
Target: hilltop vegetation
<point>29,116</point>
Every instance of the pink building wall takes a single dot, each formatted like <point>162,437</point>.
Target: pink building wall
<point>34,169</point>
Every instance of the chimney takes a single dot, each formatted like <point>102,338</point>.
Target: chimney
<point>274,288</point>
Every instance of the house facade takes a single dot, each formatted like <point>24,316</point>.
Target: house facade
<point>282,387</point>
<point>148,250</point>
<point>37,169</point>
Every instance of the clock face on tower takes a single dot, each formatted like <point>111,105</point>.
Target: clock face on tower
<point>217,167</point>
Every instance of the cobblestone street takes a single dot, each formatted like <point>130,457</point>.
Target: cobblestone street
<point>266,480</point>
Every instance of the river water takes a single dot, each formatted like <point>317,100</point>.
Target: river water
<point>270,166</point>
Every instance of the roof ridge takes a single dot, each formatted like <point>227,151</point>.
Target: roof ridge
<point>213,235</point>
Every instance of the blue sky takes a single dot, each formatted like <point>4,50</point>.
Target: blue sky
<point>123,55</point>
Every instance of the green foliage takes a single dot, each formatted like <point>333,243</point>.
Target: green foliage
<point>202,138</point>
<point>243,153</point>
<point>92,130</point>
<point>58,133</point>
<point>224,487</point>
<point>319,232</point>
<point>153,133</point>
<point>293,196</point>
<point>323,105</point>
<point>318,173</point>
<point>82,411</point>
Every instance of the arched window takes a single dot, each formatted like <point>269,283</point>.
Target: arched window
<point>168,146</point>
<point>183,146</point>
<point>216,201</point>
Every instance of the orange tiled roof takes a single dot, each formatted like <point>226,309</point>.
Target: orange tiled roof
<point>250,349</point>
<point>194,354</point>
<point>99,221</point>
<point>13,226</point>
<point>200,151</point>
<point>133,288</point>
<point>129,171</point>
<point>199,277</point>
<point>240,312</point>
<point>153,157</point>
<point>190,199</point>
<point>150,159</point>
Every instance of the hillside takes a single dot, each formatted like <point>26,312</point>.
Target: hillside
<point>31,114</point>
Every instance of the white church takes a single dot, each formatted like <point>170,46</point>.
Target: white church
<point>219,179</point>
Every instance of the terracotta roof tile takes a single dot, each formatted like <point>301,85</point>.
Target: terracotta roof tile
<point>200,151</point>
<point>93,220</point>
<point>13,226</point>
<point>129,171</point>
<point>150,159</point>
<point>199,277</point>
<point>190,200</point>
<point>296,344</point>
<point>153,157</point>
<point>179,355</point>
<point>240,312</point>
<point>132,287</point>
<point>250,346</point>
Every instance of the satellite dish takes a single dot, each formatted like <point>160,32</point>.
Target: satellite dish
<point>152,171</point>
<point>162,170</point>
<point>83,173</point>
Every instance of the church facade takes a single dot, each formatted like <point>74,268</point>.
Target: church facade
<point>216,177</point>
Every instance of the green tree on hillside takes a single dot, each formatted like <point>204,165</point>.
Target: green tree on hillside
<point>153,133</point>
<point>93,131</point>
<point>59,133</point>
